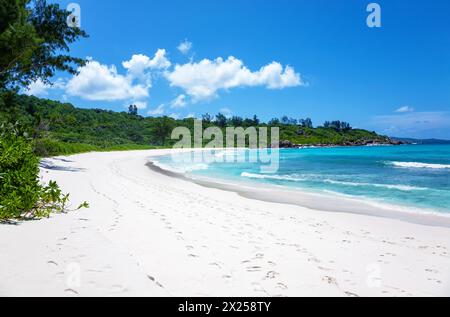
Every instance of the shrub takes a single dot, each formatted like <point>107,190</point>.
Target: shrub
<point>19,185</point>
<point>21,194</point>
<point>48,147</point>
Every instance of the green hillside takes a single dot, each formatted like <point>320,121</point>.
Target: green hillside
<point>61,128</point>
<point>330,136</point>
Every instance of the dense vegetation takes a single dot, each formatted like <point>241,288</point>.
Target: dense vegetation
<point>60,128</point>
<point>330,136</point>
<point>21,193</point>
<point>33,39</point>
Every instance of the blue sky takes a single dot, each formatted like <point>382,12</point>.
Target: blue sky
<point>310,58</point>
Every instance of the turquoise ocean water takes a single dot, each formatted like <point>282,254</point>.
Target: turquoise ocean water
<point>410,175</point>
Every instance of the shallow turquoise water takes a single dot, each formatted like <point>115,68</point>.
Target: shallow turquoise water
<point>410,175</point>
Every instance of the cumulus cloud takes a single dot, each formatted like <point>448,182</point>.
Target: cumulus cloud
<point>139,64</point>
<point>37,88</point>
<point>185,47</point>
<point>204,79</point>
<point>157,111</point>
<point>140,104</point>
<point>41,89</point>
<point>99,82</point>
<point>179,102</point>
<point>201,80</point>
<point>405,109</point>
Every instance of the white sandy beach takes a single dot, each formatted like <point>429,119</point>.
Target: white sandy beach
<point>148,234</point>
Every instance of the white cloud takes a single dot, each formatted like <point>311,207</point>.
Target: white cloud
<point>40,89</point>
<point>185,47</point>
<point>179,102</point>
<point>175,116</point>
<point>139,63</point>
<point>140,104</point>
<point>157,111</point>
<point>200,80</point>
<point>226,112</point>
<point>99,82</point>
<point>405,109</point>
<point>204,79</point>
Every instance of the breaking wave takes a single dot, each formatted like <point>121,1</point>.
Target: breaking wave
<point>419,165</point>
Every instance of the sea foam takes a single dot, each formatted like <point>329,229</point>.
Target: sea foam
<point>388,186</point>
<point>296,178</point>
<point>419,165</point>
<point>274,177</point>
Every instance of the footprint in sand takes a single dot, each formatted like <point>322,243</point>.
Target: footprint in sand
<point>254,269</point>
<point>118,289</point>
<point>216,265</point>
<point>71,291</point>
<point>272,275</point>
<point>151,278</point>
<point>350,294</point>
<point>329,280</point>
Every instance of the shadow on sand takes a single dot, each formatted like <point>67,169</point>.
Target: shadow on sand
<point>49,165</point>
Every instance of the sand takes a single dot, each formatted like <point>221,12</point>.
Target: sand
<point>150,234</point>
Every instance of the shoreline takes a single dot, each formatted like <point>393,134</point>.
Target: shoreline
<point>315,201</point>
<point>149,234</point>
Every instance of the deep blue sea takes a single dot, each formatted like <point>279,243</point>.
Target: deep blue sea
<point>410,175</point>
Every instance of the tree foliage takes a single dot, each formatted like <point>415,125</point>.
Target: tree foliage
<point>306,123</point>
<point>34,37</point>
<point>221,120</point>
<point>133,110</point>
<point>337,125</point>
<point>21,193</point>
